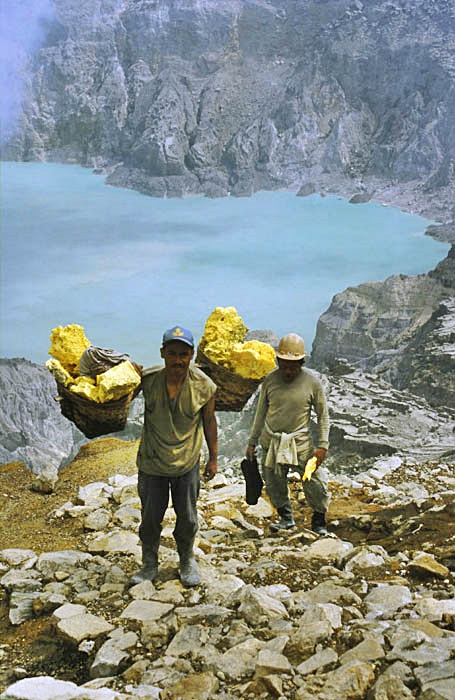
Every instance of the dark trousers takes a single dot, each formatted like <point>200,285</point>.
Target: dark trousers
<point>154,495</point>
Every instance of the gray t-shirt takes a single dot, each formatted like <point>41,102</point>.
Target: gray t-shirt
<point>173,431</point>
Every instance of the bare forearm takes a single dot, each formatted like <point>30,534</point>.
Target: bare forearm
<point>211,438</point>
<point>210,429</point>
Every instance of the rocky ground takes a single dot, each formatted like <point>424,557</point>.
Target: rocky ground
<point>367,612</point>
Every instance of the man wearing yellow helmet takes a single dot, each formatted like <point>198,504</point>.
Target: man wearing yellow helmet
<point>282,427</point>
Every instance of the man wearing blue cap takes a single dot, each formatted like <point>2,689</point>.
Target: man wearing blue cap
<point>179,412</point>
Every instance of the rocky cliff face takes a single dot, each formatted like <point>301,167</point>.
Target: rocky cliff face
<point>403,328</point>
<point>427,365</point>
<point>173,97</point>
<point>32,429</point>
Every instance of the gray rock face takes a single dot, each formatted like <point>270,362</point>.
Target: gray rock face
<point>219,97</point>
<point>32,428</point>
<point>403,328</point>
<point>427,366</point>
<point>371,418</point>
<point>364,322</point>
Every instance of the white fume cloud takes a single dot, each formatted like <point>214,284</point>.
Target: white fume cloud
<point>22,31</point>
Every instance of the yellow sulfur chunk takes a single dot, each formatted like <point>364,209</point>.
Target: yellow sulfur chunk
<point>85,380</point>
<point>59,373</point>
<point>67,345</point>
<point>252,360</point>
<point>223,328</point>
<point>222,343</point>
<point>310,467</point>
<point>87,389</point>
<point>117,382</point>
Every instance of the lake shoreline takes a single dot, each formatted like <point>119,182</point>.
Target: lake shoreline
<point>410,196</point>
<point>197,252</point>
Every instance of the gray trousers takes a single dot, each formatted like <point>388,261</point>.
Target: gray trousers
<point>154,495</point>
<point>316,489</point>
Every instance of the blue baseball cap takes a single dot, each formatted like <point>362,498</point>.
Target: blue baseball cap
<point>178,333</point>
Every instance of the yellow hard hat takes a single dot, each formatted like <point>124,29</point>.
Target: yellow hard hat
<point>291,347</point>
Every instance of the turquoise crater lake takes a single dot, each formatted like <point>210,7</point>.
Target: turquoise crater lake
<point>126,266</point>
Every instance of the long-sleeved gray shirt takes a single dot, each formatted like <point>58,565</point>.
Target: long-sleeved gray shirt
<point>286,408</point>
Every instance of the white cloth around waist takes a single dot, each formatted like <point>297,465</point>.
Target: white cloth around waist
<point>282,448</point>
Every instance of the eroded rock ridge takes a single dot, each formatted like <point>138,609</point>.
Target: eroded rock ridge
<point>176,97</point>
<point>402,329</point>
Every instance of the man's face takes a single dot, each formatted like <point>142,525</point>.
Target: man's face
<point>177,357</point>
<point>289,369</point>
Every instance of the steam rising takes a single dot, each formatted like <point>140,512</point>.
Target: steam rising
<point>22,32</point>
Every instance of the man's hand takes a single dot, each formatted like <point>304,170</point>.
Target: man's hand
<point>320,454</point>
<point>210,469</point>
<point>250,453</point>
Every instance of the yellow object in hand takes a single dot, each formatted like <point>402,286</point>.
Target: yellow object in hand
<point>310,467</point>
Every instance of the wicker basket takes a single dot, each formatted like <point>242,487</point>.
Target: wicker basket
<point>94,419</point>
<point>233,391</point>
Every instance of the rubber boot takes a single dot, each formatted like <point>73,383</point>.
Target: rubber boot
<point>149,570</point>
<point>189,571</point>
<point>318,524</point>
<point>287,520</point>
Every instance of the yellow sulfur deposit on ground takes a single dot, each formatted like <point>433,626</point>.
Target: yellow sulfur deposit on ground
<point>222,342</point>
<point>252,360</point>
<point>117,382</point>
<point>67,345</point>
